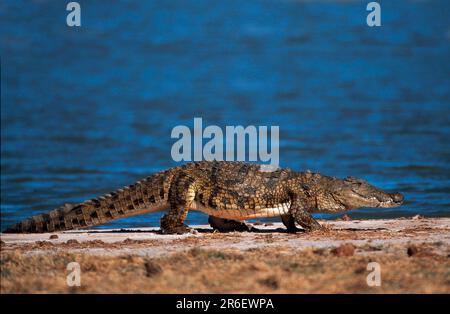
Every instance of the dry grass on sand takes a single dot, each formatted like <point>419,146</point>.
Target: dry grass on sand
<point>413,255</point>
<point>270,270</point>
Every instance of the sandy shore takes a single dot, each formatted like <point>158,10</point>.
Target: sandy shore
<point>413,255</point>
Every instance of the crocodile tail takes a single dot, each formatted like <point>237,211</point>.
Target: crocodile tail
<point>145,196</point>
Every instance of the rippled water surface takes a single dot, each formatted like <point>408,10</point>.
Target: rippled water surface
<point>87,110</point>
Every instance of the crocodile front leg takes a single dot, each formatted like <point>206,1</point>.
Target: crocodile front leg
<point>289,221</point>
<point>299,211</point>
<point>172,222</point>
<point>304,219</point>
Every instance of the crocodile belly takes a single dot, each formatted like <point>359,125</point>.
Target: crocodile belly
<point>243,214</point>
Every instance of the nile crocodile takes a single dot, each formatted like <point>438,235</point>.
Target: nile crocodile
<point>229,192</point>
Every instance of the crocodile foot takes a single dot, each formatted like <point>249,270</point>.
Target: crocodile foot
<point>294,230</point>
<point>227,225</point>
<point>312,227</point>
<point>178,229</point>
<point>289,222</point>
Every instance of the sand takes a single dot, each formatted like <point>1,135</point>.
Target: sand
<point>413,256</point>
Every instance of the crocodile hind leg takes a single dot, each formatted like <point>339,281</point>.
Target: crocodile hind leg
<point>181,195</point>
<point>227,225</point>
<point>173,221</point>
<point>289,221</point>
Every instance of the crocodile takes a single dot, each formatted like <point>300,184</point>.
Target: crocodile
<point>229,192</point>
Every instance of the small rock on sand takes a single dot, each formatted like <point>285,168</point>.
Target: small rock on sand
<point>319,251</point>
<point>412,250</point>
<point>43,243</point>
<point>53,236</point>
<point>131,241</point>
<point>271,282</point>
<point>346,249</point>
<point>152,269</point>
<point>419,250</point>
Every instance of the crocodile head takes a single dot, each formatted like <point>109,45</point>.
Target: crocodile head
<point>350,193</point>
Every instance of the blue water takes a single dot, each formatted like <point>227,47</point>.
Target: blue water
<point>87,110</point>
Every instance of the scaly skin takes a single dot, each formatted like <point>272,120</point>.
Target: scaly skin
<point>229,192</point>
